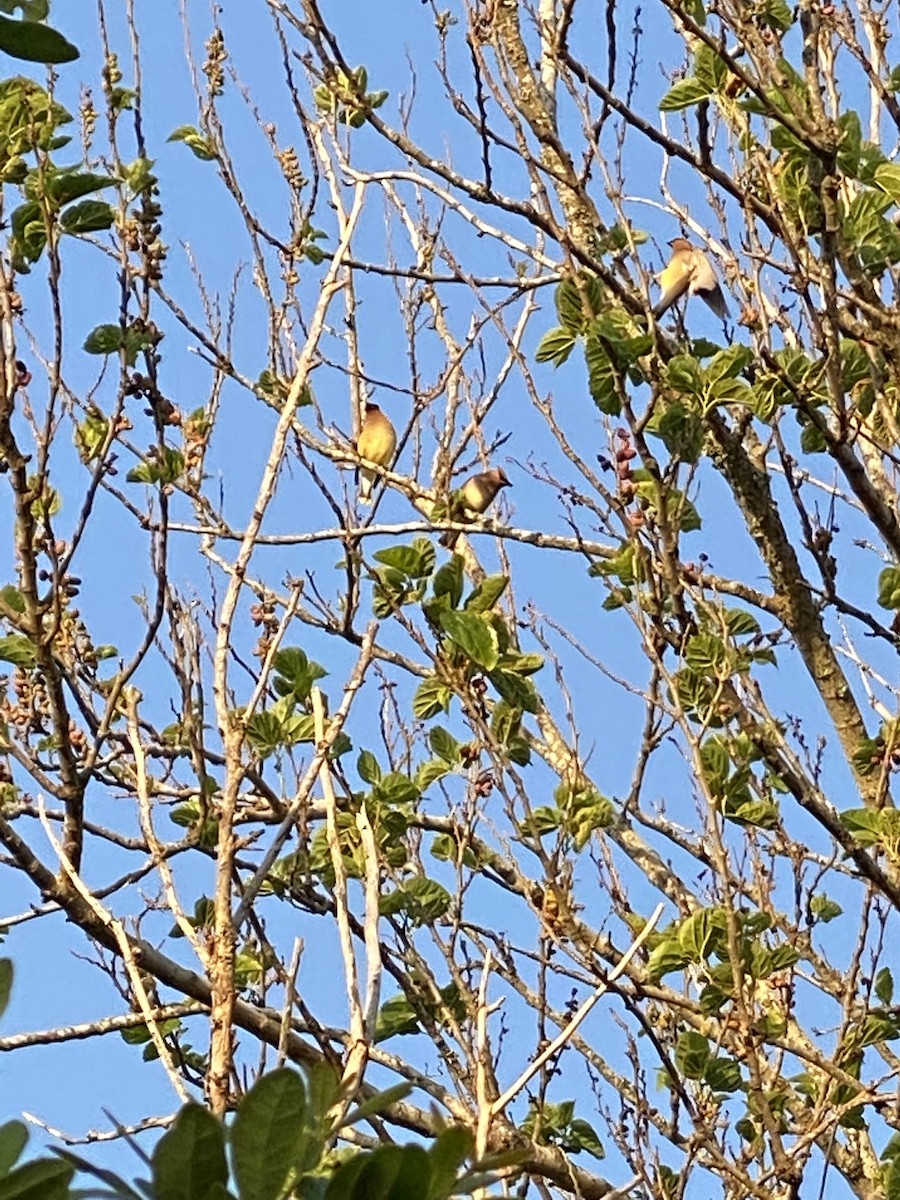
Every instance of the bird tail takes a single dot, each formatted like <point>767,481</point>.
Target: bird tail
<point>366,482</point>
<point>716,301</point>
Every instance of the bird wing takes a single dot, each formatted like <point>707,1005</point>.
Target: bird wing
<point>704,284</point>
<point>377,440</point>
<point>673,279</point>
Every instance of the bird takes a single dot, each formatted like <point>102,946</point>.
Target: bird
<point>689,270</point>
<point>376,443</point>
<point>472,499</point>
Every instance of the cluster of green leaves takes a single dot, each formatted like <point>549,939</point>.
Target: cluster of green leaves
<point>865,227</point>
<point>577,811</point>
<point>613,339</point>
<point>878,1024</point>
<point>557,1125</point>
<point>889,589</point>
<point>475,640</point>
<point>702,941</point>
<point>726,764</point>
<point>699,390</point>
<point>16,648</point>
<point>277,1147</point>
<point>289,721</point>
<point>420,1007</point>
<point>694,1059</point>
<point>53,197</point>
<point>474,637</point>
<point>132,339</point>
<point>198,816</point>
<point>709,75</point>
<point>345,98</point>
<point>712,657</point>
<point>199,145</point>
<point>875,827</point>
<point>173,1032</point>
<point>50,195</point>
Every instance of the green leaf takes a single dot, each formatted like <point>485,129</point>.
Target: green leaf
<point>486,595</point>
<point>776,14</point>
<point>33,42</point>
<point>728,364</point>
<point>516,691</point>
<point>29,233</point>
<point>423,900</point>
<point>199,146</point>
<point>6,980</point>
<point>296,673</point>
<point>105,339</point>
<point>119,1189</point>
<point>543,820</point>
<point>684,374</point>
<point>396,1017</point>
<point>448,581</point>
<point>703,933</point>
<point>474,637</point>
<point>668,956</point>
<point>18,650</point>
<point>430,772</point>
<point>267,1132</point>
<point>190,1157</point>
<point>581,1135</point>
<point>603,380</point>
<point>447,1153</point>
<point>824,909</point>
<point>13,1140</point>
<point>164,469</point>
<point>863,824</point>
<point>740,622</point>
<point>579,299</point>
<point>13,598</point>
<point>32,10</point>
<point>722,1075</point>
<point>878,1027</point>
<point>685,93</point>
<point>432,696</point>
<point>395,788</point>
<point>884,985</point>
<point>692,1054</point>
<point>415,561</point>
<point>42,1179</point>
<point>706,654</point>
<point>87,217</point>
<point>388,1173</point>
<point>889,588</point>
<point>367,767</point>
<point>555,346</point>
<point>62,186</point>
<point>444,745</point>
<point>887,176</point>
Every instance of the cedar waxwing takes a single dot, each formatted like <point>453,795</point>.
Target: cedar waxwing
<point>377,442</point>
<point>473,498</point>
<point>688,270</point>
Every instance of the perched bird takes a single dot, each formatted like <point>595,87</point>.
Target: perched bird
<point>689,270</point>
<point>473,498</point>
<point>376,443</point>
